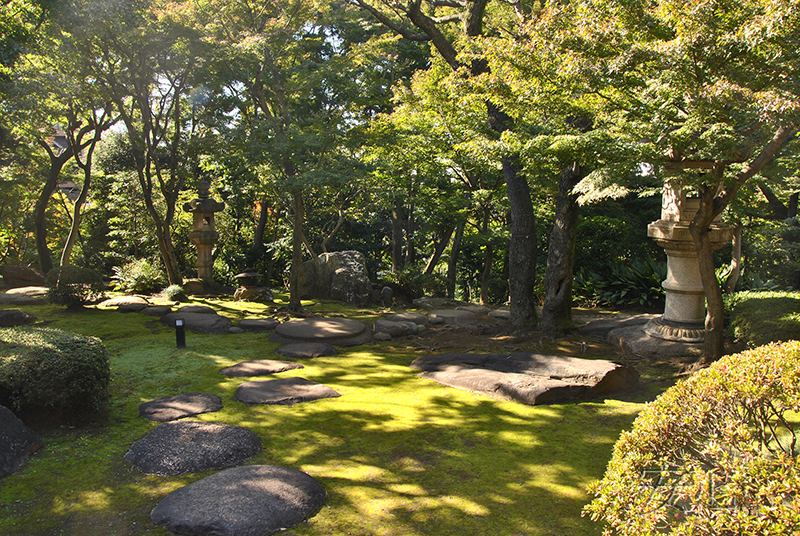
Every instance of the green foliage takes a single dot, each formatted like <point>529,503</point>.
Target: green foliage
<point>763,317</point>
<point>72,286</point>
<point>140,275</point>
<point>716,454</point>
<point>174,293</point>
<point>771,250</point>
<point>637,284</point>
<point>410,283</point>
<point>53,370</point>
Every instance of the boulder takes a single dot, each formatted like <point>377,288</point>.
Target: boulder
<point>156,310</point>
<point>170,408</point>
<point>457,317</point>
<point>25,296</point>
<point>177,448</point>
<point>22,276</point>
<point>396,328</point>
<point>528,378</point>
<point>134,301</point>
<point>14,317</point>
<point>258,324</point>
<point>341,275</point>
<point>255,500</point>
<point>17,442</point>
<point>417,318</point>
<point>212,324</point>
<point>255,294</point>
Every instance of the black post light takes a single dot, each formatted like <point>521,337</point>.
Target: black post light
<point>180,333</point>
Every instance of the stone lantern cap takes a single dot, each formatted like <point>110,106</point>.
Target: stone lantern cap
<point>204,202</point>
<point>248,278</point>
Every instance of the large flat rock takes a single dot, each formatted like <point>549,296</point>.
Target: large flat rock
<point>254,500</point>
<point>527,377</point>
<point>17,442</point>
<point>259,367</point>
<point>282,391</point>
<point>170,408</point>
<point>337,331</point>
<point>306,350</point>
<point>176,448</point>
<point>258,324</point>
<point>212,324</point>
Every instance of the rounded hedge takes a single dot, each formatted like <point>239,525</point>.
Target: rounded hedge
<point>53,370</point>
<point>716,454</point>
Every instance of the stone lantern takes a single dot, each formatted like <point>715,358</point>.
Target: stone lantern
<point>204,233</point>
<point>249,289</point>
<point>685,309</point>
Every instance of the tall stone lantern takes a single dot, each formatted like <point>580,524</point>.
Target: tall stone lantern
<point>685,309</point>
<point>204,233</point>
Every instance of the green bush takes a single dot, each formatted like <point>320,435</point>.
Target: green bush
<point>411,283</point>
<point>141,275</point>
<point>714,455</point>
<point>634,284</point>
<point>53,370</point>
<point>174,293</point>
<point>72,286</point>
<point>763,317</point>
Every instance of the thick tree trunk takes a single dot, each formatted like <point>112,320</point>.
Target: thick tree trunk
<point>557,309</point>
<point>297,251</point>
<point>263,216</point>
<point>397,236</point>
<point>487,274</point>
<point>40,217</point>
<point>792,210</point>
<point>452,263</point>
<point>440,241</point>
<point>736,260</point>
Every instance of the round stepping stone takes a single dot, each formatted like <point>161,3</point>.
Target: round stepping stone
<point>243,501</point>
<point>306,350</point>
<point>258,324</point>
<point>283,391</point>
<point>259,367</point>
<point>196,309</point>
<point>177,448</point>
<point>320,329</point>
<point>199,322</point>
<point>170,408</point>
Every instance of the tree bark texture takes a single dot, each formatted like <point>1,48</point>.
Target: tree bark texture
<point>297,251</point>
<point>40,209</point>
<point>397,236</point>
<point>452,263</point>
<point>557,308</point>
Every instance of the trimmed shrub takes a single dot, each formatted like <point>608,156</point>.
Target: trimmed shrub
<point>140,275</point>
<point>53,370</point>
<point>716,454</point>
<point>174,293</point>
<point>763,317</point>
<point>72,286</point>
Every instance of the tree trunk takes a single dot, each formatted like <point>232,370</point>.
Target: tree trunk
<point>736,260</point>
<point>397,236</point>
<point>411,250</point>
<point>557,309</point>
<point>452,263</point>
<point>297,251</point>
<point>440,243</point>
<point>40,209</point>
<point>487,274</point>
<point>792,211</point>
<point>263,216</point>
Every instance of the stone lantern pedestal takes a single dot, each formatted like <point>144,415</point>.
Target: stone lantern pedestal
<point>685,309</point>
<point>204,233</point>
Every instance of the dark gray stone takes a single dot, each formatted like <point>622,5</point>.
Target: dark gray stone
<point>131,307</point>
<point>212,324</point>
<point>16,276</point>
<point>17,442</point>
<point>306,350</point>
<point>177,448</point>
<point>396,328</point>
<point>528,378</point>
<point>320,329</point>
<point>283,391</point>
<point>600,329</point>
<point>255,500</point>
<point>196,309</point>
<point>258,324</point>
<point>382,337</point>
<point>15,317</point>
<point>340,275</point>
<point>235,331</point>
<point>454,317</point>
<point>25,296</point>
<point>259,367</point>
<point>632,340</point>
<point>156,310</point>
<point>417,318</point>
<point>170,408</point>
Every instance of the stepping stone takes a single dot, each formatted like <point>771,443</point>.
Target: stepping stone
<point>212,324</point>
<point>196,309</point>
<point>170,408</point>
<point>30,292</point>
<point>528,378</point>
<point>259,367</point>
<point>17,442</point>
<point>283,391</point>
<point>254,500</point>
<point>452,317</point>
<point>306,350</point>
<point>25,296</point>
<point>131,307</point>
<point>124,300</point>
<point>503,313</point>
<point>177,448</point>
<point>15,317</point>
<point>478,310</point>
<point>396,328</point>
<point>338,331</point>
<point>601,328</point>
<point>258,324</point>
<point>156,310</point>
<point>417,318</point>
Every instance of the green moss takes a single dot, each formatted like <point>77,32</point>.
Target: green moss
<point>763,317</point>
<point>397,454</point>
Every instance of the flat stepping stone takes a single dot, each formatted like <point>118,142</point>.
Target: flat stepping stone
<point>124,300</point>
<point>31,292</point>
<point>258,324</point>
<point>417,318</point>
<point>528,378</point>
<point>601,328</point>
<point>199,322</point>
<point>17,442</point>
<point>131,307</point>
<point>456,317</point>
<point>254,500</point>
<point>259,367</point>
<point>283,391</point>
<point>170,408</point>
<point>196,309</point>
<point>306,350</point>
<point>177,448</point>
<point>156,310</point>
<point>338,331</point>
<point>396,328</point>
<point>503,313</point>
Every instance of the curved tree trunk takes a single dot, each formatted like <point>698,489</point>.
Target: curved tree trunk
<point>57,162</point>
<point>452,263</point>
<point>297,251</point>
<point>557,309</point>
